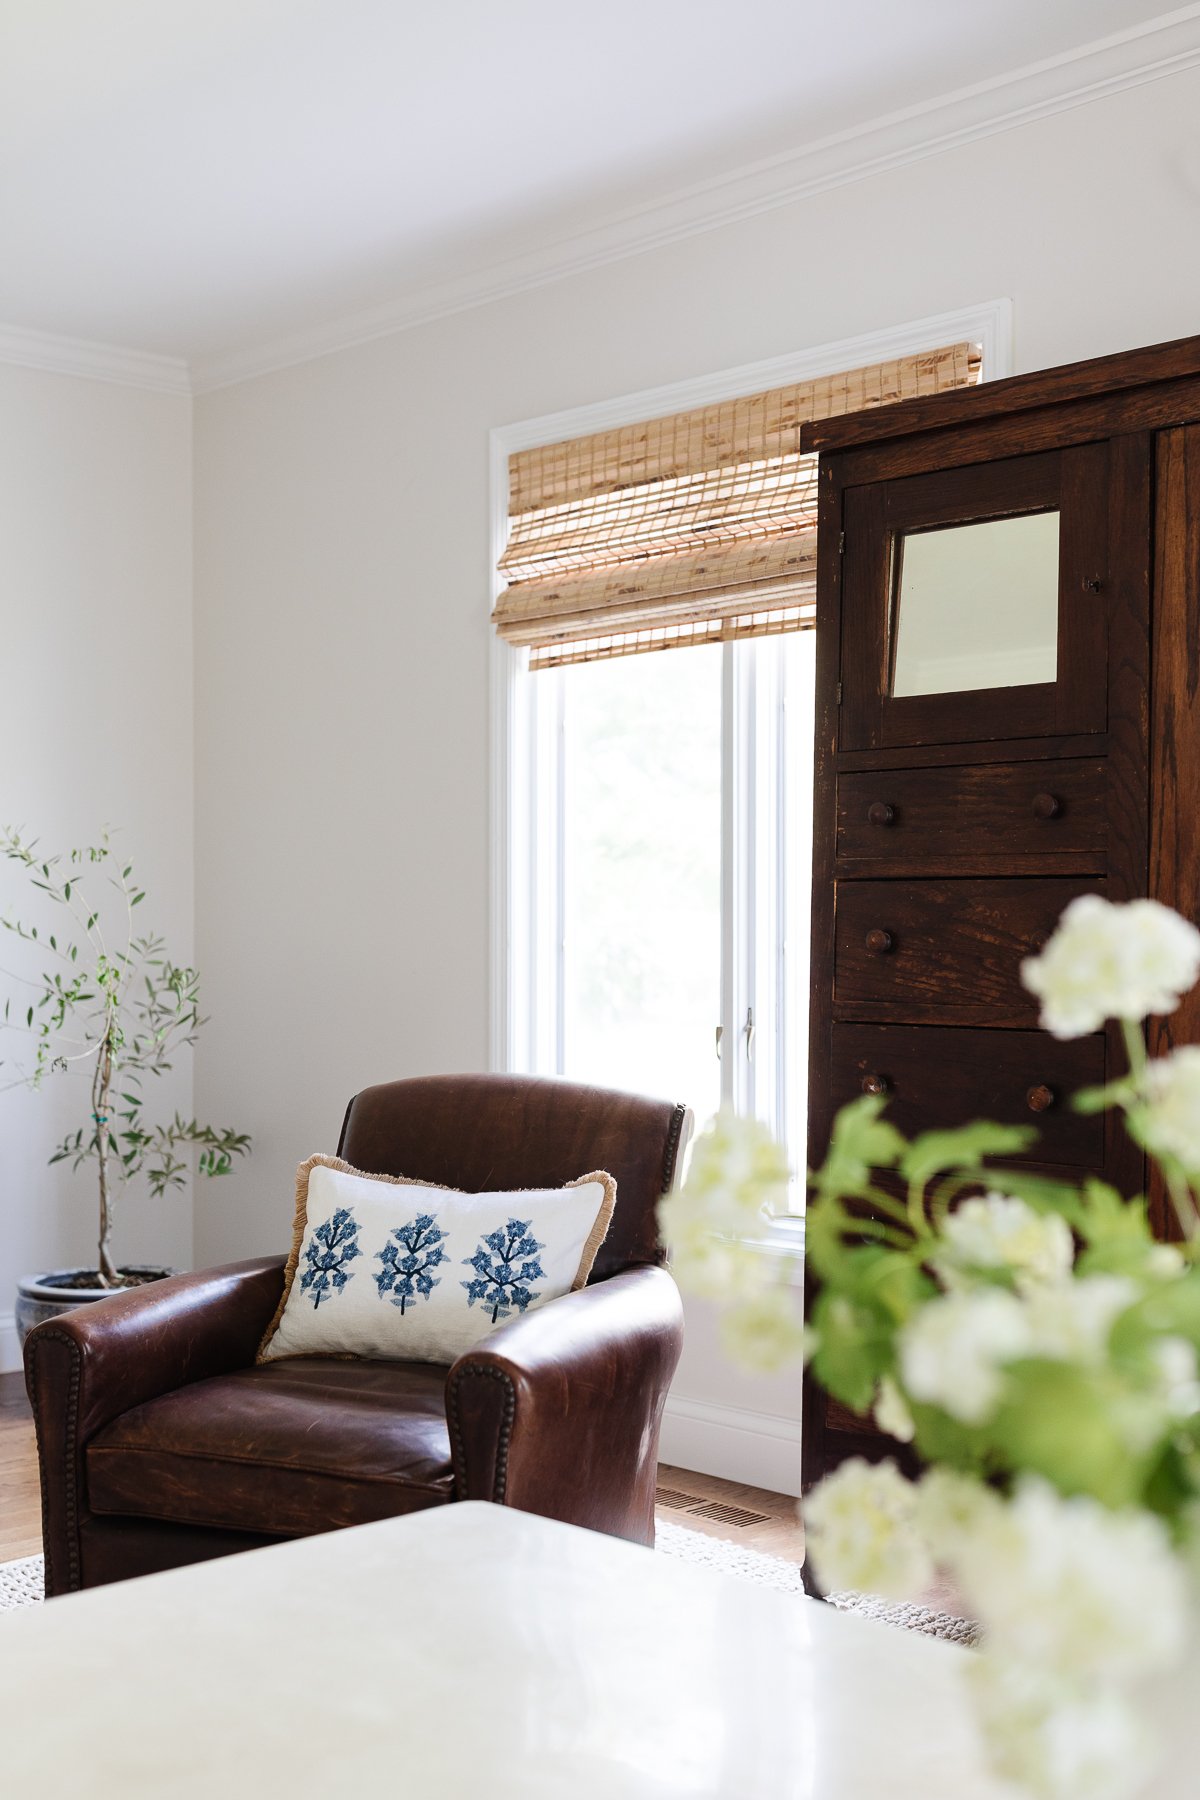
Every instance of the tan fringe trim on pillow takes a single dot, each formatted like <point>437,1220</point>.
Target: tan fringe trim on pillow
<point>599,1231</point>
<point>591,1249</point>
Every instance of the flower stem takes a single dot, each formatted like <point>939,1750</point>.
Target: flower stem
<point>1135,1047</point>
<point>1184,1203</point>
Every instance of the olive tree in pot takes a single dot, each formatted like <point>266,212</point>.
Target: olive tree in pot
<point>113,1017</point>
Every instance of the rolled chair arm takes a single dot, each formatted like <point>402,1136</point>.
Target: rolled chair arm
<point>86,1368</point>
<point>558,1412</point>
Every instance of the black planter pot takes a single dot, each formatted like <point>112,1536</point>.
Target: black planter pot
<point>41,1297</point>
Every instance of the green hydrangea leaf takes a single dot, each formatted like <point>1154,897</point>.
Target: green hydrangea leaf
<point>1070,1425</point>
<point>860,1141</point>
<point>1099,1099</point>
<point>854,1349</point>
<point>1173,1483</point>
<point>964,1148</point>
<point>942,1439</point>
<point>1115,1232</point>
<point>1168,1309</point>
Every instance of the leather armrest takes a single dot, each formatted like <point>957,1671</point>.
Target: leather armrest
<point>558,1411</point>
<point>87,1367</point>
<point>124,1350</point>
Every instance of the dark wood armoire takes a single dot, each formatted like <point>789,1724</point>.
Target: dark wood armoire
<point>1008,714</point>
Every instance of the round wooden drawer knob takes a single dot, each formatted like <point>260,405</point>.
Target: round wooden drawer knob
<point>874,1084</point>
<point>1046,806</point>
<point>1040,1099</point>
<point>880,813</point>
<point>879,942</point>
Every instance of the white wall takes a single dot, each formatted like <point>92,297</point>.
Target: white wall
<point>95,728</point>
<point>342,591</point>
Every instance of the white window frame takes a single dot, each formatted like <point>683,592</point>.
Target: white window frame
<point>526,721</point>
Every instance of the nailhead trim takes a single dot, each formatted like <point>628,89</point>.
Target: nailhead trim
<point>672,1151</point>
<point>506,1425</point>
<point>74,1572</point>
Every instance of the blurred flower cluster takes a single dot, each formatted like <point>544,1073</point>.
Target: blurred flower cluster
<point>737,1181</point>
<point>1031,1345</point>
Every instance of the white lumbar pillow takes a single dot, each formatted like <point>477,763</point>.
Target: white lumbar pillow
<point>385,1267</point>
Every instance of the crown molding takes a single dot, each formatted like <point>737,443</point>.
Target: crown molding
<point>95,362</point>
<point>1165,46</point>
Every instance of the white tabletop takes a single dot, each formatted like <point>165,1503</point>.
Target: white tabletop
<point>475,1651</point>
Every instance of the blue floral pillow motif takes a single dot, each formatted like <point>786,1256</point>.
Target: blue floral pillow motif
<point>505,1262</point>
<point>373,1262</point>
<point>331,1246</point>
<point>413,1251</point>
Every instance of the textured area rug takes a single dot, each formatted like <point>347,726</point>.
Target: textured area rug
<point>775,1572</point>
<point>729,1559</point>
<point>21,1583</point>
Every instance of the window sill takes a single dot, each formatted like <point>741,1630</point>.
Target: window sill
<point>784,1238</point>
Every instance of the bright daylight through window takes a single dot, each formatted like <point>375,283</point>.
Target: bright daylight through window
<point>674,958</point>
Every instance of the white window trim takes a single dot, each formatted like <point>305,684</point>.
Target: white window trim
<point>514,875</point>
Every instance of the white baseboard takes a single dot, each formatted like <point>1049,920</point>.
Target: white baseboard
<point>10,1348</point>
<point>762,1449</point>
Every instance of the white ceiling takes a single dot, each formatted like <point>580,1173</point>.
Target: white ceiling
<point>191,177</point>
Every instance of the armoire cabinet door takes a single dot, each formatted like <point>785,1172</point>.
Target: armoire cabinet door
<point>975,602</point>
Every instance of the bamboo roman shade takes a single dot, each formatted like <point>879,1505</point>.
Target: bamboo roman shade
<point>689,529</point>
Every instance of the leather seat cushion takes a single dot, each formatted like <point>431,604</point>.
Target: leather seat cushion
<point>290,1448</point>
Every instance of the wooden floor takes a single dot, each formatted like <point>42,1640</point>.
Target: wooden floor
<point>728,1509</point>
<point>20,1501</point>
<point>721,1509</point>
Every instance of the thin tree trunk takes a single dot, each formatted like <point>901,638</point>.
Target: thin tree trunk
<point>101,1082</point>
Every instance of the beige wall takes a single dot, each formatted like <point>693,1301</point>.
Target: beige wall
<point>95,728</point>
<point>342,590</point>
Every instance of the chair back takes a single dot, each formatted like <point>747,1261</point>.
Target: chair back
<point>481,1132</point>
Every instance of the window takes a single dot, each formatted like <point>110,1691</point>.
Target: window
<point>668,877</point>
<point>653,811</point>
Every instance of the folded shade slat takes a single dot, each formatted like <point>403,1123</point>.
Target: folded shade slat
<point>689,529</point>
<point>761,498</point>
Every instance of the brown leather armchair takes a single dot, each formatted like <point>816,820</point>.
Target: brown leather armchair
<point>161,1442</point>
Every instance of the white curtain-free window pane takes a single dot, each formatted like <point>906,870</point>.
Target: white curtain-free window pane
<point>798,654</point>
<point>641,902</point>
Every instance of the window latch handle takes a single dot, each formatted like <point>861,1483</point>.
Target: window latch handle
<point>720,1035</point>
<point>748,1029</point>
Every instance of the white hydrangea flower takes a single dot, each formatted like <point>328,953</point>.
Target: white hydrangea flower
<point>953,1350</point>
<point>994,1231</point>
<point>1175,1361</point>
<point>765,1332</point>
<point>1065,1585</point>
<point>1053,1742</point>
<point>861,1531</point>
<point>891,1412</point>
<point>1071,1320</point>
<point>1171,1117</point>
<point>738,1172</point>
<point>1145,1417</point>
<point>737,1177</point>
<point>950,1505</point>
<point>715,1268</point>
<point>1112,962</point>
<point>1164,1262</point>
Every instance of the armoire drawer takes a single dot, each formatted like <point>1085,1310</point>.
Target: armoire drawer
<point>943,952</point>
<point>941,1077</point>
<point>1004,818</point>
